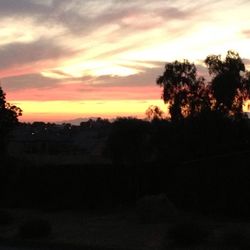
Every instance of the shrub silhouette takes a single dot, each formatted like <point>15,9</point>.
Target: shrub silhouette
<point>5,217</point>
<point>8,119</point>
<point>127,143</point>
<point>154,208</point>
<point>235,236</point>
<point>188,233</point>
<point>35,228</point>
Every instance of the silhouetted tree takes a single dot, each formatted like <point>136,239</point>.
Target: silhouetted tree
<point>154,113</point>
<point>189,95</point>
<point>128,142</point>
<point>8,119</point>
<point>185,92</point>
<point>230,85</point>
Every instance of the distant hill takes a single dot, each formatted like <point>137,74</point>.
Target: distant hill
<point>77,121</point>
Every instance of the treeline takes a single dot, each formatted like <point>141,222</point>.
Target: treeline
<point>202,165</point>
<point>137,141</point>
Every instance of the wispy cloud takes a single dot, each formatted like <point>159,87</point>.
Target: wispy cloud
<point>26,53</point>
<point>28,81</point>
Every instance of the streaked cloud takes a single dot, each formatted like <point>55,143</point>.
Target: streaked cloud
<point>37,81</point>
<point>26,53</point>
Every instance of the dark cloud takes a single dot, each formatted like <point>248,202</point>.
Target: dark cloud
<point>76,15</point>
<point>82,17</point>
<point>21,8</point>
<point>28,81</point>
<point>146,78</point>
<point>60,73</point>
<point>24,53</point>
<point>38,81</point>
<point>175,13</point>
<point>79,23</point>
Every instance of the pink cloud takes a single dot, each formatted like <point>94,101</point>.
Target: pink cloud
<point>86,92</point>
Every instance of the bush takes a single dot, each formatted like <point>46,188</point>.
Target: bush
<point>35,228</point>
<point>235,236</point>
<point>154,208</point>
<point>188,234</point>
<point>5,217</point>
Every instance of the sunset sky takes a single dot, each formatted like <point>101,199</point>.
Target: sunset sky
<point>64,59</point>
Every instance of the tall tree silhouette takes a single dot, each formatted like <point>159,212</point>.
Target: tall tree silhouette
<point>185,92</point>
<point>8,119</point>
<point>230,84</point>
<point>189,95</point>
<point>128,143</point>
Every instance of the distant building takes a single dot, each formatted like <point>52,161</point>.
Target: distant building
<point>59,144</point>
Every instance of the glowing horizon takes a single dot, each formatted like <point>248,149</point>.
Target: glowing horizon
<point>112,51</point>
<point>109,109</point>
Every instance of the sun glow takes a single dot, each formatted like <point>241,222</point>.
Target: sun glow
<point>246,106</point>
<point>61,110</point>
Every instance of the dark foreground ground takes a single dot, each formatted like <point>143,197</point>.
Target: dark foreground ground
<point>95,207</point>
<point>121,229</point>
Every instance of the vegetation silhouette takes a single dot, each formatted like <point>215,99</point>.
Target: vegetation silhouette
<point>199,158</point>
<point>8,119</point>
<point>127,143</point>
<point>185,92</point>
<point>154,113</point>
<point>189,95</point>
<point>230,84</point>
<point>206,139</point>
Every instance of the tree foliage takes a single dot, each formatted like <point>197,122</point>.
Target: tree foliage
<point>154,113</point>
<point>8,118</point>
<point>127,143</point>
<point>189,95</point>
<point>230,84</point>
<point>183,90</point>
<point>8,113</point>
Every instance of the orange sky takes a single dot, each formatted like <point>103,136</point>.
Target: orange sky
<point>67,59</point>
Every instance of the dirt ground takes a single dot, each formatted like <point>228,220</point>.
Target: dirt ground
<point>115,230</point>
